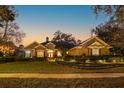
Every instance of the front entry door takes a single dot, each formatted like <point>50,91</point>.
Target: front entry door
<point>50,54</point>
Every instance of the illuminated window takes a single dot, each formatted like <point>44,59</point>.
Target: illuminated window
<point>95,51</point>
<point>40,53</point>
<point>50,53</point>
<point>27,53</point>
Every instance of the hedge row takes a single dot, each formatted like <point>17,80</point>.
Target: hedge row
<point>13,59</point>
<point>91,58</point>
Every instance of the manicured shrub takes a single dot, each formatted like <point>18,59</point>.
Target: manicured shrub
<point>29,59</point>
<point>68,58</point>
<point>59,59</point>
<point>1,54</point>
<point>40,59</point>
<point>97,58</point>
<point>7,59</point>
<point>117,59</point>
<point>84,58</point>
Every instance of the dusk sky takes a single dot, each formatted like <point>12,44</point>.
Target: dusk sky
<point>41,21</point>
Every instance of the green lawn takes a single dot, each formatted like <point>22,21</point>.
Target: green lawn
<point>48,67</point>
<point>39,67</point>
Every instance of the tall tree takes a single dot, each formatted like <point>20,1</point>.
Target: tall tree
<point>113,30</point>
<point>14,33</point>
<point>57,36</point>
<point>9,30</point>
<point>110,33</point>
<point>60,36</point>
<point>64,41</point>
<point>115,12</point>
<point>7,14</point>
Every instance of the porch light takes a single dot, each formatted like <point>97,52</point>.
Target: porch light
<point>59,54</point>
<point>67,52</point>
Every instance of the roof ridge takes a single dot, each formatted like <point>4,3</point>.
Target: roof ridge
<point>102,41</point>
<point>95,37</point>
<point>40,45</point>
<point>32,43</point>
<point>86,40</point>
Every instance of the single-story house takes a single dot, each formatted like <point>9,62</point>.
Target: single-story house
<point>93,46</point>
<point>49,49</point>
<point>36,49</point>
<point>90,47</point>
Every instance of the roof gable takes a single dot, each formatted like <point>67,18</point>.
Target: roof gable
<point>50,45</point>
<point>32,45</point>
<point>94,41</point>
<point>40,47</point>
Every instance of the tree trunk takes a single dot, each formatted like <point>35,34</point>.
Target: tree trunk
<point>5,31</point>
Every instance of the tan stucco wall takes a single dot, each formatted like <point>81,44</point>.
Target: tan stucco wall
<point>78,52</point>
<point>86,51</point>
<point>105,51</point>
<point>75,52</point>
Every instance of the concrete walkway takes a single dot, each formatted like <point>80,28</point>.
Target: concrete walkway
<point>82,75</point>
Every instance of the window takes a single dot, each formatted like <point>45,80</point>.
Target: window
<point>27,53</point>
<point>40,53</point>
<point>95,51</point>
<point>50,53</point>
